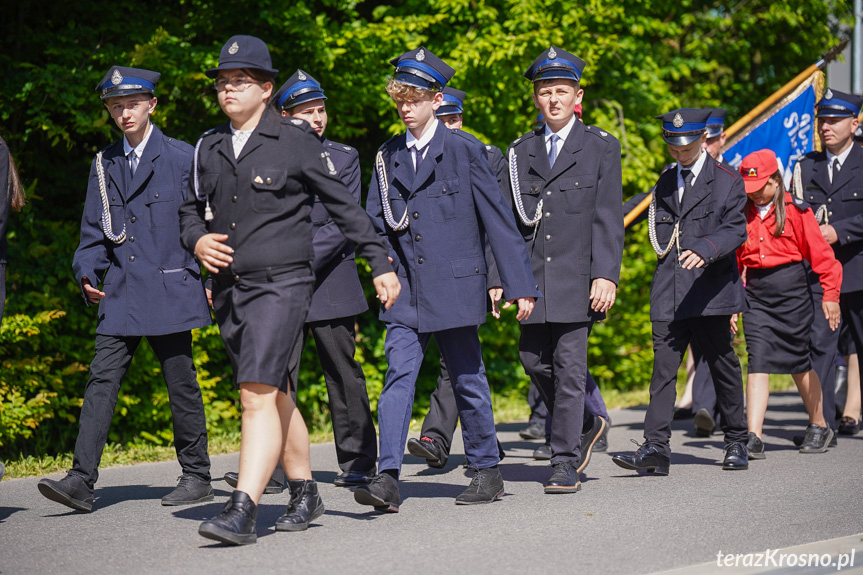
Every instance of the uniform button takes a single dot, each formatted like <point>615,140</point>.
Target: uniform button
<point>418,238</point>
<point>421,260</point>
<point>762,239</point>
<point>476,270</point>
<point>548,192</point>
<point>344,256</point>
<point>416,215</point>
<point>811,197</point>
<point>156,195</point>
<point>133,219</point>
<point>233,225</point>
<point>829,200</point>
<point>269,181</point>
<point>236,277</point>
<point>855,194</point>
<point>132,239</point>
<point>131,258</point>
<point>413,195</point>
<point>537,287</point>
<point>548,214</point>
<point>762,256</point>
<point>847,238</point>
<point>235,172</point>
<point>185,276</point>
<point>548,259</point>
<point>234,199</point>
<point>443,191</point>
<point>548,237</point>
<point>829,213</point>
<point>113,198</point>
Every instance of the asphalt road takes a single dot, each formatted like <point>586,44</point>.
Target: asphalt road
<point>619,523</point>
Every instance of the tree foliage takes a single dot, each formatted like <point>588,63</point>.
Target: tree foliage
<point>644,57</point>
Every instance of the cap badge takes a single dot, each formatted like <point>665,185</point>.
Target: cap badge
<point>116,77</point>
<point>678,120</point>
<point>234,48</point>
<point>752,172</point>
<point>302,77</point>
<point>828,95</point>
<point>421,55</point>
<point>551,53</point>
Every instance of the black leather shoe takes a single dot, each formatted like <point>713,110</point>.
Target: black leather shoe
<point>236,524</point>
<point>704,423</point>
<point>601,445</point>
<point>817,439</point>
<point>273,487</point>
<point>799,439</point>
<point>351,478</point>
<point>543,452</point>
<point>736,457</point>
<point>71,491</point>
<point>535,430</point>
<point>646,458</point>
<point>305,506</point>
<point>849,426</point>
<point>382,493</point>
<point>485,487</point>
<point>681,413</point>
<point>755,447</point>
<point>430,450</point>
<point>564,479</point>
<point>190,490</point>
<point>588,441</point>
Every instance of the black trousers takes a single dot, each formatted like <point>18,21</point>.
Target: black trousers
<point>554,356</point>
<point>703,390</point>
<point>110,364</point>
<point>538,410</point>
<point>670,339</point>
<point>353,428</point>
<point>823,343</point>
<point>851,305</point>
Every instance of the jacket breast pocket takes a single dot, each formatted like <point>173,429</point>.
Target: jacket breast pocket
<point>530,195</point>
<point>268,185</point>
<point>702,222</point>
<point>815,195</point>
<point>575,193</point>
<point>162,203</point>
<point>852,194</point>
<point>118,213</point>
<point>443,199</point>
<point>664,227</point>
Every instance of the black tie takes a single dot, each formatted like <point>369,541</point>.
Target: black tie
<point>419,157</point>
<point>836,167</point>
<point>133,162</point>
<point>687,182</point>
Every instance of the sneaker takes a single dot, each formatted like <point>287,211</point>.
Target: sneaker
<point>382,493</point>
<point>535,430</point>
<point>817,439</point>
<point>755,447</point>
<point>305,506</point>
<point>71,491</point>
<point>485,487</point>
<point>190,489</point>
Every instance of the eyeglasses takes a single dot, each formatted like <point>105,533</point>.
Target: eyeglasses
<point>239,83</point>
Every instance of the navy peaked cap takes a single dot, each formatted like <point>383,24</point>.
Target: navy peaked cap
<point>555,63</point>
<point>838,104</point>
<point>716,122</point>
<point>422,69</point>
<point>244,52</point>
<point>299,88</point>
<point>684,125</point>
<point>122,81</point>
<point>453,102</point>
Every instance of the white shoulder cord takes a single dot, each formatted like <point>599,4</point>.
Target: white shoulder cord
<point>107,227</point>
<point>383,188</point>
<point>797,189</point>
<point>208,212</point>
<point>651,232</point>
<point>516,194</point>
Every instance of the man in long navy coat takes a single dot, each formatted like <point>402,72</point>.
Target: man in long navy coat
<point>432,197</point>
<point>151,287</point>
<point>696,225</point>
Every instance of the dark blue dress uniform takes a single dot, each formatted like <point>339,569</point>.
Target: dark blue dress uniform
<point>338,297</point>
<point>449,202</point>
<point>152,285</point>
<point>577,207</point>
<point>836,197</point>
<point>696,305</point>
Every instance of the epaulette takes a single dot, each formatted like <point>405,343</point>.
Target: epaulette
<point>726,170</point>
<point>465,135</point>
<point>180,145</point>
<point>801,205</point>
<point>488,148</point>
<point>337,147</point>
<point>523,138</point>
<point>388,142</point>
<point>295,122</point>
<point>598,132</point>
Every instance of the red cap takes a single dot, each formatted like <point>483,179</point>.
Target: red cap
<point>578,110</point>
<point>756,169</point>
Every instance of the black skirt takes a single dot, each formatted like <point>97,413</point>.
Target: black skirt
<point>260,320</point>
<point>779,320</point>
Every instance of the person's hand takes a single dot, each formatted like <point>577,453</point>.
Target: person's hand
<point>831,313</point>
<point>525,307</point>
<point>388,287</point>
<point>93,295</point>
<point>829,234</point>
<point>209,296</point>
<point>733,322</point>
<point>212,251</point>
<point>602,293</point>
<point>689,259</point>
<point>494,294</point>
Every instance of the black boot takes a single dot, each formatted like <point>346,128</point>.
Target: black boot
<point>71,491</point>
<point>305,506</point>
<point>236,524</point>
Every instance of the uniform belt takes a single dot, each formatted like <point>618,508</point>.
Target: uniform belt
<point>269,274</point>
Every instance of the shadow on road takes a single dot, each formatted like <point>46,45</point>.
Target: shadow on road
<point>6,512</point>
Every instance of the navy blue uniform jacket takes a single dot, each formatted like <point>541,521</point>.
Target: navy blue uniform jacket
<point>338,292</point>
<point>844,201</point>
<point>580,235</point>
<point>152,285</point>
<point>713,225</point>
<point>439,258</point>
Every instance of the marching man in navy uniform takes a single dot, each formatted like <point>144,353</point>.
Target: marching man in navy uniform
<point>432,196</point>
<point>565,179</point>
<point>337,298</point>
<point>130,243</point>
<point>696,223</point>
<point>831,181</point>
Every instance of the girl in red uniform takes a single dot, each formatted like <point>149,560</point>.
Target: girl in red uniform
<point>781,233</point>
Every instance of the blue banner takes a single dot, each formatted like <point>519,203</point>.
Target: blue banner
<point>788,130</point>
